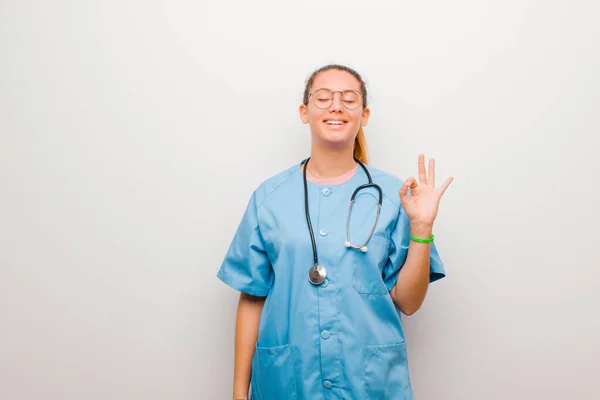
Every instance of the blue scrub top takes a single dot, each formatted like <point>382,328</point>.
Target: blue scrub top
<point>343,339</point>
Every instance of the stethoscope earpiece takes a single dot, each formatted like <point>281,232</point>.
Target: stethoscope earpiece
<point>364,249</point>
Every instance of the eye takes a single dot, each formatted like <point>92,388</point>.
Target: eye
<point>350,97</point>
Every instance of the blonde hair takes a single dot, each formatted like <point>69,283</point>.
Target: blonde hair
<point>360,143</point>
<point>360,147</point>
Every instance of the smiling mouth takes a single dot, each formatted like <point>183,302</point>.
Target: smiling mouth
<point>334,122</point>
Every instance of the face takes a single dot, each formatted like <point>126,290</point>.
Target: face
<point>335,125</point>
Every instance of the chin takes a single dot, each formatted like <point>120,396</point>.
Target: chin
<point>334,135</point>
<point>335,140</point>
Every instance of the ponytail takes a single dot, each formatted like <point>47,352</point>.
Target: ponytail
<point>360,146</point>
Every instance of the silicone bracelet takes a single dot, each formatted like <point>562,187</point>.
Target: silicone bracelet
<point>428,240</point>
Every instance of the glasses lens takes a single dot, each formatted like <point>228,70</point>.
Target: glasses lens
<point>351,99</point>
<point>322,98</point>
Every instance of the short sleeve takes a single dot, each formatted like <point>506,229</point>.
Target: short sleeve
<point>246,266</point>
<point>400,240</point>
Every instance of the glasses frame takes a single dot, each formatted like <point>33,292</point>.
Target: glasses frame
<point>333,92</point>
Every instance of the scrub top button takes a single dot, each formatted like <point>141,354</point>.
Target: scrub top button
<point>325,334</point>
<point>328,384</point>
<point>323,232</point>
<point>326,191</point>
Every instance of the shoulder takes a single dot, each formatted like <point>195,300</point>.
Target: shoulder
<point>275,183</point>
<point>390,183</point>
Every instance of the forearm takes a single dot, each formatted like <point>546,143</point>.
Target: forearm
<point>413,280</point>
<point>246,334</point>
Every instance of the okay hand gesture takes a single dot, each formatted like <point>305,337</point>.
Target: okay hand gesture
<point>422,204</point>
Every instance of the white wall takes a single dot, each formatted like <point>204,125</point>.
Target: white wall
<point>125,127</point>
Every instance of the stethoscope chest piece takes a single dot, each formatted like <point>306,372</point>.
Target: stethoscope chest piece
<point>317,274</point>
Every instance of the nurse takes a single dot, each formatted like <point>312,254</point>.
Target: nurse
<point>335,333</point>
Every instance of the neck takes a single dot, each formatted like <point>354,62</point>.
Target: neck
<point>331,163</point>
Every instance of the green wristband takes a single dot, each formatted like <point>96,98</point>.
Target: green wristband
<point>428,240</point>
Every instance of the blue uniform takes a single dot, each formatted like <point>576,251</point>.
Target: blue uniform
<point>343,339</point>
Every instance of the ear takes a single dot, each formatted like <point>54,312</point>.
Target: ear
<point>303,113</point>
<point>365,116</point>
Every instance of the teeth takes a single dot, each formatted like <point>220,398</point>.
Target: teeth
<point>334,122</point>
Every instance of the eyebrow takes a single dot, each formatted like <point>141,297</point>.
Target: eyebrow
<point>345,90</point>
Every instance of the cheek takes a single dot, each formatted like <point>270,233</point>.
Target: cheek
<point>315,118</point>
<point>314,114</point>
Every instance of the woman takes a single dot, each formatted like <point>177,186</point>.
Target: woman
<point>319,312</point>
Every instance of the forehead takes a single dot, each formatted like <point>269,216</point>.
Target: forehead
<point>336,80</point>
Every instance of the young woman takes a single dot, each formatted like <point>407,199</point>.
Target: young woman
<point>324,270</point>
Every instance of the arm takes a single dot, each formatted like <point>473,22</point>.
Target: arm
<point>413,280</point>
<point>246,335</point>
<point>421,208</point>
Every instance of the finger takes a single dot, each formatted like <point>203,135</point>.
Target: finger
<point>431,172</point>
<point>445,185</point>
<point>410,183</point>
<point>404,193</point>
<point>422,173</point>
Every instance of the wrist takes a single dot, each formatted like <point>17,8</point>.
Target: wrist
<point>421,230</point>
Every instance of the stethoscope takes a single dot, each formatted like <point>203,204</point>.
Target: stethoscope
<point>317,273</point>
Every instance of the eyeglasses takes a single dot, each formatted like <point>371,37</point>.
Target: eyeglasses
<point>323,98</point>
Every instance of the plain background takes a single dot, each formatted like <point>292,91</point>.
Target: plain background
<point>133,133</point>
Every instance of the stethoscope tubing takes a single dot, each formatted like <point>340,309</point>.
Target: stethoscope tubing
<point>352,199</point>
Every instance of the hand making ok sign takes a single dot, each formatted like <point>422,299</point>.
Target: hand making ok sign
<point>422,204</point>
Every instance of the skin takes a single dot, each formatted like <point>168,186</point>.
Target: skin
<point>332,149</point>
<point>421,207</point>
<point>332,146</point>
<point>246,335</point>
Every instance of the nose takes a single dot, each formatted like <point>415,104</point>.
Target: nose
<point>336,102</point>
